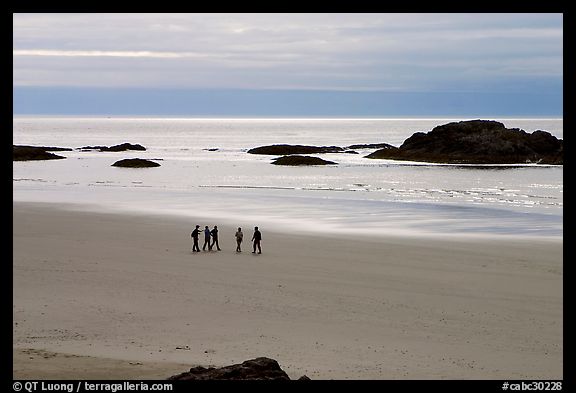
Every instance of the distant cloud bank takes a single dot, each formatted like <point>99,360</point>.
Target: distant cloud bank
<point>278,103</point>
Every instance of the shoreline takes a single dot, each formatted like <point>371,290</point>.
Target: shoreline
<point>409,220</point>
<point>125,286</point>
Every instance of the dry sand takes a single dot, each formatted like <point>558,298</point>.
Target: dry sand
<point>102,295</point>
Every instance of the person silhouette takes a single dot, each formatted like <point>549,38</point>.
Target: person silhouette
<point>214,233</point>
<point>256,238</point>
<point>194,235</point>
<point>239,236</point>
<point>206,239</point>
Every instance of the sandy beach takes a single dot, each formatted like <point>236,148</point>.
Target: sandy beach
<point>102,295</point>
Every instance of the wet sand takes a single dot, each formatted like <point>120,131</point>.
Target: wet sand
<point>106,295</point>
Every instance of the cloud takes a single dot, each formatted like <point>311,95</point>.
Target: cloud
<point>99,53</point>
<point>311,51</point>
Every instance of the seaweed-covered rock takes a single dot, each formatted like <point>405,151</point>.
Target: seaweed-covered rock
<point>29,153</point>
<point>296,160</point>
<point>283,150</point>
<point>477,142</point>
<point>135,163</point>
<point>261,368</point>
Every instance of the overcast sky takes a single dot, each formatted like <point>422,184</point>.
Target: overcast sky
<point>385,53</point>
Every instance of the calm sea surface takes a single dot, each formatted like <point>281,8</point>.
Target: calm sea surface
<point>357,195</point>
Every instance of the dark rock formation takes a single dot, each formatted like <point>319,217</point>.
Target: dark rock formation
<point>477,142</point>
<point>301,160</point>
<point>121,147</point>
<point>371,146</point>
<point>48,148</point>
<point>28,153</point>
<point>135,163</point>
<point>261,368</point>
<point>283,150</point>
<point>100,148</point>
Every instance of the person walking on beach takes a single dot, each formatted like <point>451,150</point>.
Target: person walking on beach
<point>239,236</point>
<point>195,234</point>
<point>206,239</point>
<point>256,239</point>
<point>214,233</point>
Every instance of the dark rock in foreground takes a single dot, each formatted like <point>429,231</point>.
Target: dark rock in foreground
<point>477,142</point>
<point>29,153</point>
<point>121,147</point>
<point>135,163</point>
<point>261,368</point>
<point>301,160</point>
<point>284,150</point>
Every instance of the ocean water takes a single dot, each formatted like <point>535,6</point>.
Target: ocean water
<point>206,173</point>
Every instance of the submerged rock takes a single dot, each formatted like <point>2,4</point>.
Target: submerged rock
<point>29,153</point>
<point>261,368</point>
<point>477,142</point>
<point>301,160</point>
<point>135,163</point>
<point>283,150</point>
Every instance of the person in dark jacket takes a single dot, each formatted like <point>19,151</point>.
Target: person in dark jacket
<point>214,233</point>
<point>195,233</point>
<point>206,239</point>
<point>256,238</point>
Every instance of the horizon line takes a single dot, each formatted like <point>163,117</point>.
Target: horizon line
<point>283,117</point>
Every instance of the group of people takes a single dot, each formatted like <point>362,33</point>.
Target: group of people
<point>211,239</point>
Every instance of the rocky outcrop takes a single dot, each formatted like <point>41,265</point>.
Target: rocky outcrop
<point>135,163</point>
<point>371,146</point>
<point>301,160</point>
<point>261,368</point>
<point>29,153</point>
<point>477,142</point>
<point>115,148</point>
<point>284,150</point>
<point>277,150</point>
